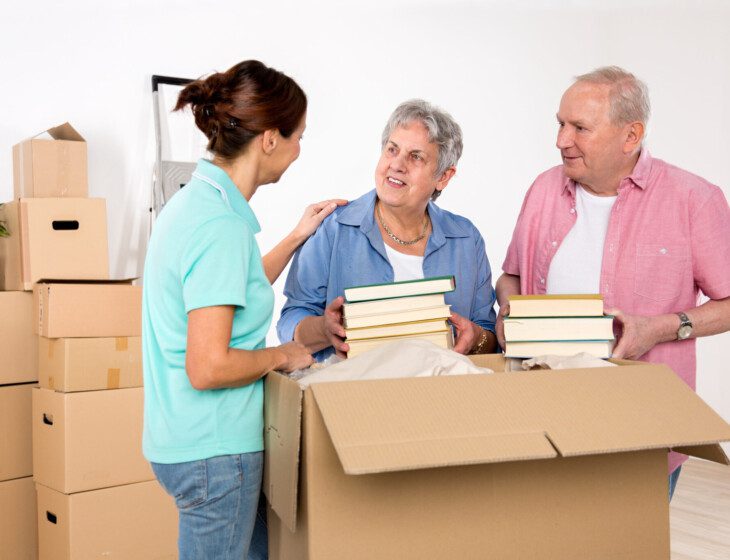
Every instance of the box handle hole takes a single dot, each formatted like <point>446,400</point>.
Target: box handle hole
<point>51,517</point>
<point>48,419</point>
<point>65,225</point>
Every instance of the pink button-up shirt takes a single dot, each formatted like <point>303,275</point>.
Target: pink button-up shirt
<point>668,239</point>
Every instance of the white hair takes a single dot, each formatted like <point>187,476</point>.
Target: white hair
<point>629,96</point>
<point>442,130</point>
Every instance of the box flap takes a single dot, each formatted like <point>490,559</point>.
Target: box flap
<point>626,408</point>
<point>406,424</point>
<point>712,452</point>
<point>401,424</point>
<point>65,132</point>
<point>282,435</point>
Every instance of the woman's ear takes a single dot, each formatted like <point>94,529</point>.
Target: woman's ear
<point>269,140</point>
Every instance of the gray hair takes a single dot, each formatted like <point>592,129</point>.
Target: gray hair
<point>442,130</point>
<point>629,96</point>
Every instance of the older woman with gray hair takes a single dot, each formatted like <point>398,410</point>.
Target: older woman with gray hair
<point>395,232</point>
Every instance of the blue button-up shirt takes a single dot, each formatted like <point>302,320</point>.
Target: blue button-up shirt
<point>348,250</point>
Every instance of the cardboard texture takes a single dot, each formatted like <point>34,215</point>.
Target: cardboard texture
<point>18,342</point>
<point>60,238</point>
<point>504,466</point>
<point>87,309</point>
<point>19,525</point>
<point>89,364</point>
<point>16,459</point>
<point>90,440</point>
<point>135,521</point>
<point>51,167</point>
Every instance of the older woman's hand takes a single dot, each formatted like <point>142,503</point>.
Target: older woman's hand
<point>314,214</point>
<point>333,329</point>
<point>467,333</point>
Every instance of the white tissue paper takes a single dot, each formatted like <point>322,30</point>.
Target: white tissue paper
<point>403,358</point>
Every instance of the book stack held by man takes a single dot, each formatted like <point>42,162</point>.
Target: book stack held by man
<point>561,325</point>
<point>381,313</point>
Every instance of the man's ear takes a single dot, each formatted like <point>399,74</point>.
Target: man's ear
<point>634,136</point>
<point>269,140</point>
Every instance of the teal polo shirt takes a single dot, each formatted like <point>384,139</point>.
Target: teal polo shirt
<point>202,253</point>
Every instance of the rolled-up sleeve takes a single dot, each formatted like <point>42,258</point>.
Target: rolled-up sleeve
<point>483,313</point>
<point>306,284</point>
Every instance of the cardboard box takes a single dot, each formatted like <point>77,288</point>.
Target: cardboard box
<point>560,465</point>
<point>60,238</point>
<point>18,342</point>
<point>89,364</point>
<point>87,309</point>
<point>16,459</point>
<point>51,167</point>
<point>90,440</point>
<point>19,526</point>
<point>136,521</point>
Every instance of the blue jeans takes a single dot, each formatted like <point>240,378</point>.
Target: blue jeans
<point>673,481</point>
<point>217,501</point>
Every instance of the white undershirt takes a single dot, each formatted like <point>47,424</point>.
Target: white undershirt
<point>576,266</point>
<point>405,267</point>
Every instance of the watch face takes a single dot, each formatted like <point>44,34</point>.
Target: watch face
<point>684,332</point>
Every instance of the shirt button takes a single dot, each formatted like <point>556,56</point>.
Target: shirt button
<point>572,210</point>
<point>554,243</point>
<point>542,280</point>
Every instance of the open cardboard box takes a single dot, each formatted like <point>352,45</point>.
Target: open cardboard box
<point>55,166</point>
<point>568,464</point>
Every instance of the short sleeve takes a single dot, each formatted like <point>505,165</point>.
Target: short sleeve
<point>511,264</point>
<point>215,264</point>
<point>710,230</point>
<point>307,283</point>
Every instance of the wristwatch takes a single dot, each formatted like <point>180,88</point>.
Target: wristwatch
<point>685,326</point>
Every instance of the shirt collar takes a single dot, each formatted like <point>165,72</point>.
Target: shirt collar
<point>642,169</point>
<point>218,179</point>
<point>639,175</point>
<point>361,213</point>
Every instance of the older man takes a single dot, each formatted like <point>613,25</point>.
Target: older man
<point>613,219</point>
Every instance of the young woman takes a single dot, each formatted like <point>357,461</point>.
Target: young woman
<point>207,307</point>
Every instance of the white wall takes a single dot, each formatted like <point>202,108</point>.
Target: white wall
<point>498,67</point>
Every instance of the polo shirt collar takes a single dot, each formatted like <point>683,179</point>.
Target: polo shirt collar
<point>218,179</point>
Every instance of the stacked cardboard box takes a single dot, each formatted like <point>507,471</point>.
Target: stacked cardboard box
<point>94,494</point>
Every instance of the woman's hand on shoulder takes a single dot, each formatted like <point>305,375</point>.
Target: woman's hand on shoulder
<point>314,214</point>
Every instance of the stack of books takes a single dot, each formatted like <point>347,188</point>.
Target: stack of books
<point>381,313</point>
<point>561,325</point>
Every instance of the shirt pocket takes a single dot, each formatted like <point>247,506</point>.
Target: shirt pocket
<point>660,270</point>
